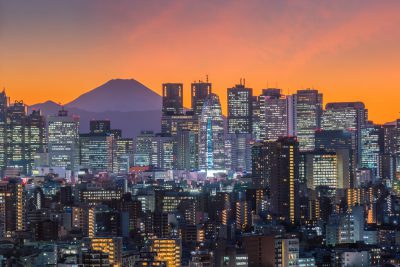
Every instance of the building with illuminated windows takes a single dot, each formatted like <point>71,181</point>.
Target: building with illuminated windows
<point>169,250</point>
<point>172,98</point>
<point>240,109</point>
<point>63,140</point>
<point>348,116</point>
<point>199,93</point>
<point>211,137</point>
<point>372,146</point>
<point>308,110</point>
<point>156,150</point>
<point>286,252</point>
<point>97,152</point>
<point>238,152</point>
<point>110,246</point>
<point>276,109</point>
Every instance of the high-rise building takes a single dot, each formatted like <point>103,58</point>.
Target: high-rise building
<point>199,93</point>
<point>12,207</point>
<point>328,169</point>
<point>16,143</point>
<point>276,167</point>
<point>240,109</point>
<point>275,108</point>
<point>63,140</point>
<point>187,150</point>
<point>348,116</point>
<point>35,137</point>
<point>172,94</point>
<point>97,151</point>
<point>3,129</point>
<point>308,109</point>
<point>154,150</point>
<point>238,152</point>
<point>211,137</point>
<point>285,181</point>
<point>100,126</point>
<point>372,146</point>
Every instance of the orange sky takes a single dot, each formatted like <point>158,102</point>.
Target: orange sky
<point>349,50</point>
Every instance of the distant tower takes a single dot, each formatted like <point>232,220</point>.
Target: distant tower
<point>199,92</point>
<point>308,109</point>
<point>240,109</point>
<point>63,140</point>
<point>172,98</point>
<point>211,138</point>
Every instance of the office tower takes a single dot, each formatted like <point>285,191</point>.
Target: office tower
<point>372,145</point>
<point>35,137</point>
<point>256,118</point>
<point>124,154</point>
<point>328,169</point>
<point>262,155</point>
<point>12,207</point>
<point>242,215</point>
<point>211,137</point>
<point>349,116</point>
<point>187,150</point>
<point>97,152</point>
<point>308,109</point>
<point>16,143</point>
<point>100,126</point>
<point>390,138</point>
<point>284,180</point>
<point>276,167</point>
<point>238,152</point>
<point>276,114</point>
<point>199,93</point>
<point>154,150</point>
<point>286,252</point>
<point>240,109</point>
<point>169,250</point>
<point>63,140</point>
<point>172,102</point>
<point>3,130</point>
<point>110,245</point>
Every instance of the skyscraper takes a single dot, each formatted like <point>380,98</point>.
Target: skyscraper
<point>211,137</point>
<point>35,137</point>
<point>199,93</point>
<point>240,109</point>
<point>63,140</point>
<point>16,145</point>
<point>97,151</point>
<point>172,94</point>
<point>238,152</point>
<point>372,146</point>
<point>349,116</point>
<point>276,167</point>
<point>276,114</point>
<point>3,129</point>
<point>308,109</point>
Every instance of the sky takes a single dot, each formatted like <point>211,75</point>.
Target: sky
<point>349,50</point>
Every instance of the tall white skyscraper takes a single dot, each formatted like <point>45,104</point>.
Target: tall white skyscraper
<point>211,136</point>
<point>308,109</point>
<point>63,140</point>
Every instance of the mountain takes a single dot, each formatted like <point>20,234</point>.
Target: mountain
<point>128,104</point>
<point>118,95</point>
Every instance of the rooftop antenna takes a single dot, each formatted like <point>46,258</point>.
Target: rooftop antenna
<point>244,81</point>
<point>207,78</point>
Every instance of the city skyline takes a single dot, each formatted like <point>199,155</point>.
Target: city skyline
<point>351,54</point>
